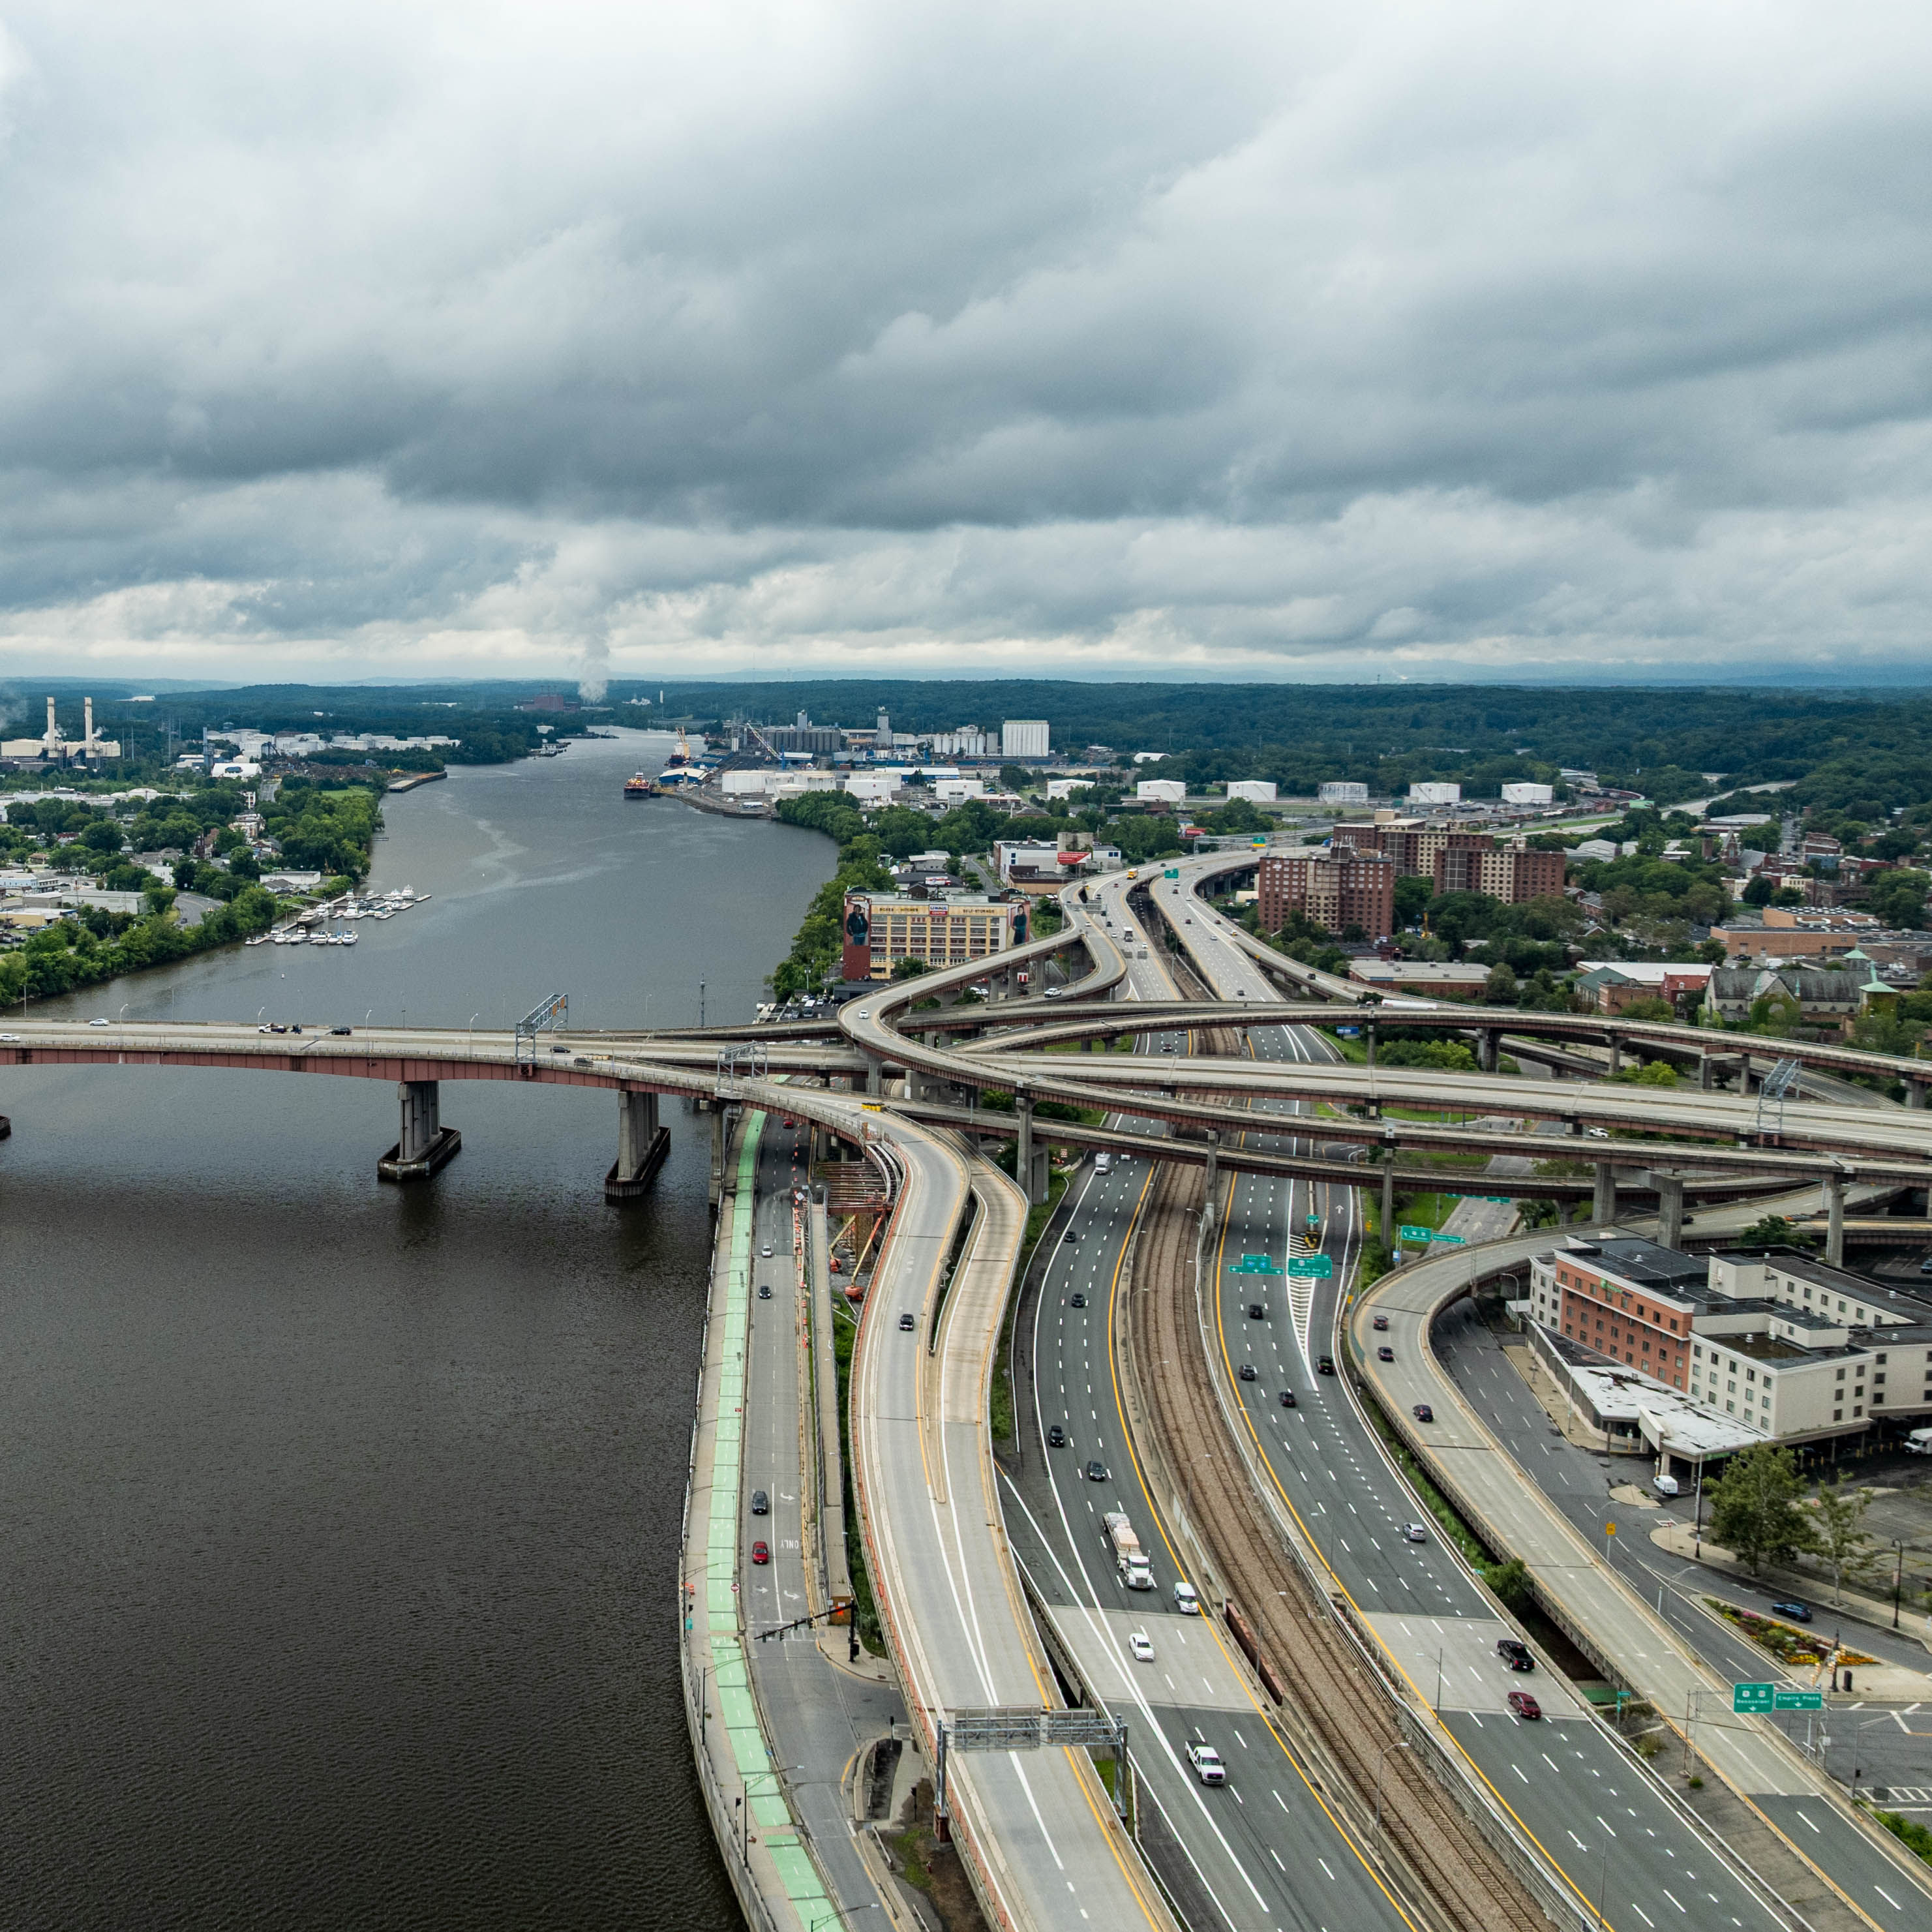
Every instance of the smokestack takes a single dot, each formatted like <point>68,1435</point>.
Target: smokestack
<point>51,731</point>
<point>87,705</point>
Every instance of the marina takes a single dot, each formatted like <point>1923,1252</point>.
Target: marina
<point>307,927</point>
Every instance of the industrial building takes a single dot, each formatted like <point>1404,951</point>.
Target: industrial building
<point>1024,738</point>
<point>1257,791</point>
<point>55,748</point>
<point>1435,791</point>
<point>1342,791</point>
<point>1161,791</point>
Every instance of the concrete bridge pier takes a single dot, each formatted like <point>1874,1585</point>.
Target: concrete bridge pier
<point>1213,1158</point>
<point>1029,1165</point>
<point>1834,1219</point>
<point>1388,1205</point>
<point>1670,1210</point>
<point>1369,1036</point>
<point>1915,1093</point>
<point>1604,1208</point>
<point>424,1144</point>
<point>1616,1052</point>
<point>643,1141</point>
<point>1486,1050</point>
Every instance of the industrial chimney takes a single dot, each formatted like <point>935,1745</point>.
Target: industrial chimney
<point>53,731</point>
<point>87,735</point>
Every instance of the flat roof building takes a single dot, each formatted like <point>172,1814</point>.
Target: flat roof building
<point>881,930</point>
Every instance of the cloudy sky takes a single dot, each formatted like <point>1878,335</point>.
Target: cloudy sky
<point>1284,340</point>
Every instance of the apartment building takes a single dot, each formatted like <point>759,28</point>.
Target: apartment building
<point>1786,1343</point>
<point>1509,873</point>
<point>881,931</point>
<point>1411,845</point>
<point>1338,887</point>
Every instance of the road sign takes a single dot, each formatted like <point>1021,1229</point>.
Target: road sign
<point>1610,1529</point>
<point>1318,1266</point>
<point>1416,1233</point>
<point>1498,1200</point>
<point>1453,1240</point>
<point>1801,1700</point>
<point>1172,872</point>
<point>1748,1699</point>
<point>1254,1264</point>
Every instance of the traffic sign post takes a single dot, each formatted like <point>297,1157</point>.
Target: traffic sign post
<point>1752,1699</point>
<point>1304,1266</point>
<point>1800,1700</point>
<point>1255,1264</point>
<point>1449,1241</point>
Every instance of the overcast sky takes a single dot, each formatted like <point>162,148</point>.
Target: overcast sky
<point>1286,341</point>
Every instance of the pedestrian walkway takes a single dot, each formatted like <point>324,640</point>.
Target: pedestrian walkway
<point>778,1885</point>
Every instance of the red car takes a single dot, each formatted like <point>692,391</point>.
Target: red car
<point>790,1122</point>
<point>761,1552</point>
<point>1524,1704</point>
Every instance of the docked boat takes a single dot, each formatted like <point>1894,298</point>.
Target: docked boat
<point>640,785</point>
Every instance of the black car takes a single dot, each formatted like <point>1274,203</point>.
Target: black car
<point>1071,1234</point>
<point>341,1032</point>
<point>761,1504</point>
<point>764,1290</point>
<point>1515,1653</point>
<point>908,1322</point>
<point>1056,1437</point>
<point>1247,1372</point>
<point>1288,1399</point>
<point>1076,1301</point>
<point>1385,1354</point>
<point>1096,1472</point>
<point>1324,1365</point>
<point>1798,1613</point>
<point>1423,1413</point>
<point>1257,1312</point>
<point>1380,1321</point>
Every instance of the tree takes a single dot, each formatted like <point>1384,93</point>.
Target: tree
<point>103,836</point>
<point>1898,898</point>
<point>909,968</point>
<point>1758,891</point>
<point>1412,895</point>
<point>1500,989</point>
<point>1014,778</point>
<point>1756,1511</point>
<point>1775,1232</point>
<point>1839,1534</point>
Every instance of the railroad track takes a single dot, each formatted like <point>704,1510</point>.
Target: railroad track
<point>1331,1688</point>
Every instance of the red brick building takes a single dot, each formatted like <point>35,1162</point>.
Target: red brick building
<point>1336,889</point>
<point>1506,873</point>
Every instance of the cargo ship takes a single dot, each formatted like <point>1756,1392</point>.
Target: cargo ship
<point>639,786</point>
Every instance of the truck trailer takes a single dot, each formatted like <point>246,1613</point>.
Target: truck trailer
<point>1130,1558</point>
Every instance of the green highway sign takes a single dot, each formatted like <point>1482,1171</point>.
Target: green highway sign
<point>1801,1700</point>
<point>1416,1233</point>
<point>1454,1240</point>
<point>1318,1266</point>
<point>1254,1264</point>
<point>1172,872</point>
<point>1498,1200</point>
<point>1748,1699</point>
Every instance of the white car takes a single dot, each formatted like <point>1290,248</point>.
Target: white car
<point>10,1040</point>
<point>97,1022</point>
<point>1185,1601</point>
<point>1207,1763</point>
<point>1415,1532</point>
<point>1141,1644</point>
<point>765,1251</point>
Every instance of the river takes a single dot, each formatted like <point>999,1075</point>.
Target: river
<point>340,1519</point>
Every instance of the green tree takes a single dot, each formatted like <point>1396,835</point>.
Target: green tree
<point>909,968</point>
<point>103,836</point>
<point>1756,1511</point>
<point>1898,898</point>
<point>1651,1073</point>
<point>1016,778</point>
<point>1411,900</point>
<point>1839,1534</point>
<point>1775,1232</point>
<point>1501,989</point>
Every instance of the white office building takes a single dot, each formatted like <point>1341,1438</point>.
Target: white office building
<point>1024,738</point>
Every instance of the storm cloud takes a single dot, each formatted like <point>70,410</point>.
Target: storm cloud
<point>1491,340</point>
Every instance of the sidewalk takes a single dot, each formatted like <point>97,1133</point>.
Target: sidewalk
<point>770,1865</point>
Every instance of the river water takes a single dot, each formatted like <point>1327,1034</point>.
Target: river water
<point>341,1519</point>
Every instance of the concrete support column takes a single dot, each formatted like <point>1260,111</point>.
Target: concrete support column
<point>1388,1208</point>
<point>874,1078</point>
<point>1486,1050</point>
<point>642,1142</point>
<point>1030,1165</point>
<point>1604,1207</point>
<point>1834,1219</point>
<point>420,1126</point>
<point>1213,1158</point>
<point>1915,1093</point>
<point>1670,1210</point>
<point>1369,1033</point>
<point>1616,1053</point>
<point>1703,1073</point>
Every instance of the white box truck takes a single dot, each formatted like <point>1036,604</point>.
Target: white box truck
<point>1919,1442</point>
<point>1130,1558</point>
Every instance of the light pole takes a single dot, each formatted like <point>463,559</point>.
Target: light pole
<point>469,1046</point>
<point>1897,1578</point>
<point>1396,1743</point>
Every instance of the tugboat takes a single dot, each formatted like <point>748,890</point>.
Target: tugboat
<point>640,786</point>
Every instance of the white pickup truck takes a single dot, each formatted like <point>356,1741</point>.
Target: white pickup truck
<point>1207,1763</point>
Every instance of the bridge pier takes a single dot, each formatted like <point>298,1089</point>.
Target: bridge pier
<point>1486,1050</point>
<point>1670,1210</point>
<point>1029,1162</point>
<point>720,1140</point>
<point>1603,1208</point>
<point>1915,1093</point>
<point>1616,1052</point>
<point>1213,1159</point>
<point>642,1143</point>
<point>1369,1034</point>
<point>1388,1206</point>
<point>1834,1219</point>
<point>424,1144</point>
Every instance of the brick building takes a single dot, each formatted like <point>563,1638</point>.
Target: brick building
<point>1410,845</point>
<point>879,931</point>
<point>1337,888</point>
<point>1507,873</point>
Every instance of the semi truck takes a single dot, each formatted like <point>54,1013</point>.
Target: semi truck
<point>1130,1558</point>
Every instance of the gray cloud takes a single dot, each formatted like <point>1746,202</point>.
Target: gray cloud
<point>421,340</point>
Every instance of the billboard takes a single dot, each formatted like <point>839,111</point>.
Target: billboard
<point>856,961</point>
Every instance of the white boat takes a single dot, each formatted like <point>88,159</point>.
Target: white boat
<point>260,939</point>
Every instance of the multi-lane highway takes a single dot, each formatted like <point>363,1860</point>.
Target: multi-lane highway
<point>1604,1822</point>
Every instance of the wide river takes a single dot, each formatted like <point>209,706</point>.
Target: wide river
<point>341,1519</point>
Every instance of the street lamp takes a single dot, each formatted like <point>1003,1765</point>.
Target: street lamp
<point>1397,1743</point>
<point>1897,1578</point>
<point>470,1044</point>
